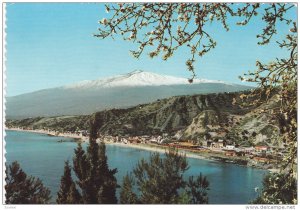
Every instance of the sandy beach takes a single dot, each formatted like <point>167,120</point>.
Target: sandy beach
<point>160,149</point>
<point>150,147</point>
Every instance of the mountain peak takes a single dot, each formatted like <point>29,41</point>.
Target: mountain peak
<point>136,72</point>
<point>136,78</point>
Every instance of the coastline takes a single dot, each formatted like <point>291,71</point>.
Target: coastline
<point>156,148</point>
<point>153,148</point>
<point>51,133</point>
<point>160,149</point>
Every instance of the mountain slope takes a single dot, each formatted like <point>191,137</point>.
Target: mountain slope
<point>116,92</point>
<point>197,117</point>
<point>136,79</point>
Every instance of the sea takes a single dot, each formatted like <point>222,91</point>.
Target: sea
<point>43,156</point>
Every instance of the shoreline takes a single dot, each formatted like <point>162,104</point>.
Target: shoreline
<point>156,148</point>
<point>160,149</point>
<point>41,131</point>
<point>153,148</point>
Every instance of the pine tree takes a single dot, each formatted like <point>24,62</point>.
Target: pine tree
<point>160,181</point>
<point>197,190</point>
<point>21,189</point>
<point>67,187</point>
<point>127,196</point>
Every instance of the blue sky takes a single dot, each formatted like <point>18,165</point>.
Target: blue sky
<point>52,44</point>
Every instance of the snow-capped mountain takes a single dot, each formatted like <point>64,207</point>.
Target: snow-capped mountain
<point>137,78</point>
<point>120,91</point>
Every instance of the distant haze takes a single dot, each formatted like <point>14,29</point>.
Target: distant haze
<point>121,91</point>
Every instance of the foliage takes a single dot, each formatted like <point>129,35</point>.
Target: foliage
<point>281,77</point>
<point>165,27</point>
<point>153,25</point>
<point>73,196</point>
<point>61,123</point>
<point>278,189</point>
<point>198,189</point>
<point>68,194</point>
<point>96,181</point>
<point>127,196</point>
<point>160,181</point>
<point>21,189</point>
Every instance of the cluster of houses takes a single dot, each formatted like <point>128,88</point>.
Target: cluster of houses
<point>135,139</point>
<point>259,153</point>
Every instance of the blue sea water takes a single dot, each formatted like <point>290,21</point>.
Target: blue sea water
<point>43,156</point>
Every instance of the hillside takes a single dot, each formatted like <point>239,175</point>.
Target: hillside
<point>61,123</point>
<point>120,91</point>
<point>196,117</point>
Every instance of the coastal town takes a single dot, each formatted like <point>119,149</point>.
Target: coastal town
<point>261,156</point>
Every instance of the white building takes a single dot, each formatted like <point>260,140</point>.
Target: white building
<point>230,147</point>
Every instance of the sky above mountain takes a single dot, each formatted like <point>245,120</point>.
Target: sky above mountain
<point>52,44</point>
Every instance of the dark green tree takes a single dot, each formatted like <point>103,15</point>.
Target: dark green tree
<point>67,192</point>
<point>107,178</point>
<point>127,196</point>
<point>96,181</point>
<point>160,181</point>
<point>73,196</point>
<point>197,189</point>
<point>277,189</point>
<point>21,189</point>
<point>80,167</point>
<point>163,28</point>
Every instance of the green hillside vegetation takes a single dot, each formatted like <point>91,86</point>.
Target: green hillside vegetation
<point>197,118</point>
<point>61,123</point>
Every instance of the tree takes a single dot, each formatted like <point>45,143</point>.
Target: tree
<point>277,189</point>
<point>68,193</point>
<point>198,189</point>
<point>107,177</point>
<point>80,167</point>
<point>160,181</point>
<point>96,181</point>
<point>21,189</point>
<point>166,27</point>
<point>74,196</point>
<point>127,196</point>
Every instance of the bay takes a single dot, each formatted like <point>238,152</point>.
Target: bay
<point>43,156</point>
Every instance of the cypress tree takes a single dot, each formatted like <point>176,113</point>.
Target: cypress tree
<point>80,163</point>
<point>67,187</point>
<point>107,178</point>
<point>81,167</point>
<point>73,196</point>
<point>21,189</point>
<point>96,181</point>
